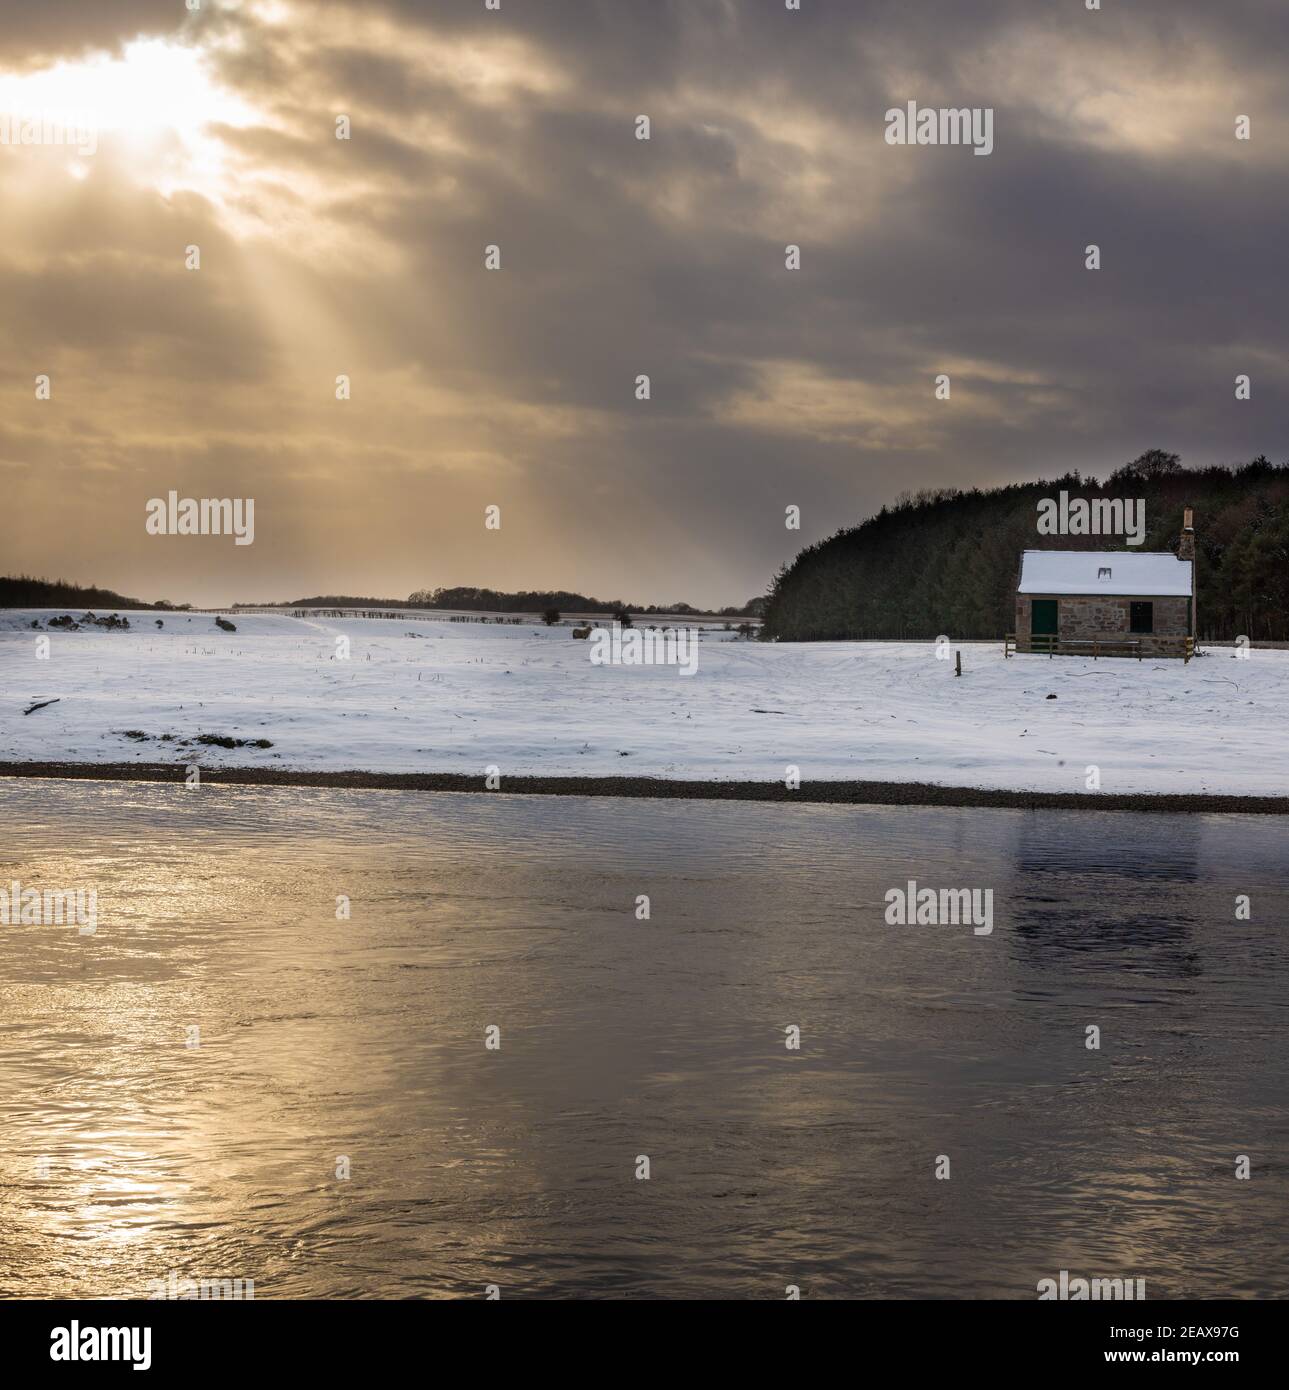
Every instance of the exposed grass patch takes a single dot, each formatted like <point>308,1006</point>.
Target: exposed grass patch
<point>223,741</point>
<point>210,740</point>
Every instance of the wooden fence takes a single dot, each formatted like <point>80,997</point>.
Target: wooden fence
<point>1051,644</point>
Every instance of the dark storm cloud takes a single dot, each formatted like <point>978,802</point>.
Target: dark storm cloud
<point>43,31</point>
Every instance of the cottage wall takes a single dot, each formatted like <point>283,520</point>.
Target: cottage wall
<point>1082,617</point>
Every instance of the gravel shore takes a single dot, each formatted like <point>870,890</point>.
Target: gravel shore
<point>837,793</point>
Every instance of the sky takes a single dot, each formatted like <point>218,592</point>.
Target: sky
<point>516,388</point>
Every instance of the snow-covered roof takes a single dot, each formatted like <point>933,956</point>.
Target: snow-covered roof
<point>1151,573</point>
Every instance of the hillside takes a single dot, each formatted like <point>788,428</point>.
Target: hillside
<point>23,591</point>
<point>946,561</point>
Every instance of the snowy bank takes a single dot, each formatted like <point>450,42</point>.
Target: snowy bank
<point>434,696</point>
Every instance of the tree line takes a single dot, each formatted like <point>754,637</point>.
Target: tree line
<point>25,591</point>
<point>946,560</point>
<point>475,600</point>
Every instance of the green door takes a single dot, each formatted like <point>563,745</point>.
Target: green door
<point>1042,617</point>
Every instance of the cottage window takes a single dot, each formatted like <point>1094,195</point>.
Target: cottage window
<point>1143,617</point>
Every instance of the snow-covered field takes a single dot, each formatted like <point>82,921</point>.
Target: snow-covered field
<point>434,696</point>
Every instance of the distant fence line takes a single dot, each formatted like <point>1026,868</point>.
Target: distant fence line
<point>406,614</point>
<point>445,615</point>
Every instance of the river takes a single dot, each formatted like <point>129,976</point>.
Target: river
<point>226,1079</point>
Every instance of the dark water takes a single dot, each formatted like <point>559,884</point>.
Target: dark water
<point>619,1038</point>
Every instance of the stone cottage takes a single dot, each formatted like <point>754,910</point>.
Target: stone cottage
<point>1118,602</point>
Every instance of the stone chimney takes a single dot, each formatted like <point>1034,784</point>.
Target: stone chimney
<point>1186,551</point>
<point>1186,547</point>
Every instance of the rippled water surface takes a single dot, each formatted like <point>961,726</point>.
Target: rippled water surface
<point>322,1038</point>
